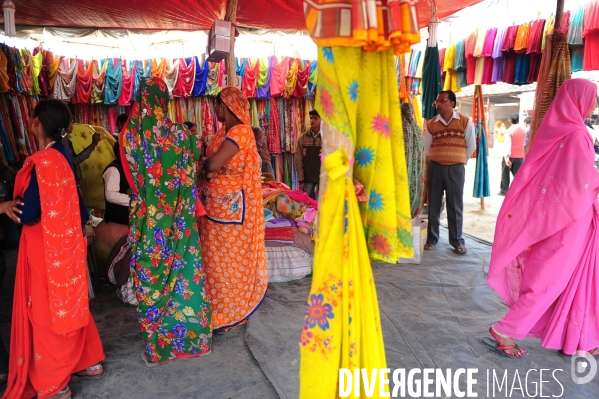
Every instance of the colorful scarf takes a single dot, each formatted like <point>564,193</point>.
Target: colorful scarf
<point>161,167</point>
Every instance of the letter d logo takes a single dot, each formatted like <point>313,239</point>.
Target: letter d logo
<point>583,367</point>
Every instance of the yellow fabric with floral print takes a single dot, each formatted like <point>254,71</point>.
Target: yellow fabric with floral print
<point>363,103</point>
<point>342,327</point>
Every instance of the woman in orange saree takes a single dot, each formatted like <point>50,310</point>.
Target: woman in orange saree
<point>53,335</point>
<point>232,232</point>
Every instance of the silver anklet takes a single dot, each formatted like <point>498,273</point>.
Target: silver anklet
<point>499,334</point>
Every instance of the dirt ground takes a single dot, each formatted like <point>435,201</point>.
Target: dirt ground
<point>481,223</point>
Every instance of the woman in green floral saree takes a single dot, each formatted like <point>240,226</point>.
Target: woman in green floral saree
<point>160,162</point>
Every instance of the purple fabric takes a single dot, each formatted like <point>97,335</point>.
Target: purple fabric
<point>498,70</point>
<point>275,223</point>
<point>263,92</point>
<point>499,38</point>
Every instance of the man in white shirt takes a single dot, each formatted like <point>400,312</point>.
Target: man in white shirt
<point>115,191</point>
<point>449,143</point>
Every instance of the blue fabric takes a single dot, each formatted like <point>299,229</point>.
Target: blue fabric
<point>577,58</point>
<point>201,78</point>
<point>139,74</point>
<point>32,208</point>
<point>6,146</point>
<point>114,82</point>
<point>522,69</point>
<point>148,70</point>
<point>482,186</point>
<point>240,67</point>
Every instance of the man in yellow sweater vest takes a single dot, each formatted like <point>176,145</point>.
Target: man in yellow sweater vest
<point>449,143</point>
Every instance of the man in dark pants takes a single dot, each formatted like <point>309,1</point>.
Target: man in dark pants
<point>515,138</point>
<point>307,156</point>
<point>449,143</point>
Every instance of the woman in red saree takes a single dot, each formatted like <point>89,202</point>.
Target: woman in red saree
<point>232,232</point>
<point>53,335</point>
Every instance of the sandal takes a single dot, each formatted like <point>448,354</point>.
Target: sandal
<point>460,250</point>
<point>428,246</point>
<point>92,372</point>
<point>65,393</point>
<point>495,345</point>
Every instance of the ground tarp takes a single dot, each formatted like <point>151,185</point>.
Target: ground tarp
<point>433,316</point>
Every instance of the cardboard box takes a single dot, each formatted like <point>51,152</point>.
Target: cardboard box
<point>419,227</point>
<point>219,41</point>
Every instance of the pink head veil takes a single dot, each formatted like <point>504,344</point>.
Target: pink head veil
<point>556,184</point>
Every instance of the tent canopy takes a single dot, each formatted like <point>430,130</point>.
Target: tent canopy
<point>184,14</point>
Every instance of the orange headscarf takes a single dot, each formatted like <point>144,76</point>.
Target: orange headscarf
<point>237,102</point>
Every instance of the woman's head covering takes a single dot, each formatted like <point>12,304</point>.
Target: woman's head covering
<point>237,102</point>
<point>150,135</point>
<point>554,187</point>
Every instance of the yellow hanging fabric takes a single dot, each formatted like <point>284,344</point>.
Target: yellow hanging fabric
<point>342,327</point>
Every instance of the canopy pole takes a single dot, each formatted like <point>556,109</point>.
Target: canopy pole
<point>231,16</point>
<point>559,14</point>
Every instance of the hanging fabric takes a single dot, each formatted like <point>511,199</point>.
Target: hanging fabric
<point>303,75</point>
<point>66,80</point>
<point>99,80</point>
<point>482,186</point>
<point>128,78</point>
<point>201,77</point>
<point>431,82</point>
<point>185,79</point>
<point>250,78</point>
<point>170,77</point>
<point>138,67</point>
<point>36,67</point>
<point>83,87</point>
<point>114,82</point>
<point>291,79</point>
<point>159,68</point>
<point>263,82</point>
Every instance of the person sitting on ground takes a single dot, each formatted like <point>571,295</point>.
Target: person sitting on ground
<point>115,191</point>
<point>53,335</point>
<point>77,159</point>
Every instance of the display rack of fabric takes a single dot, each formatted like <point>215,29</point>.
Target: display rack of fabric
<point>590,34</point>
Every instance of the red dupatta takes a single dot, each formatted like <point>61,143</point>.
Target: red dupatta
<point>65,249</point>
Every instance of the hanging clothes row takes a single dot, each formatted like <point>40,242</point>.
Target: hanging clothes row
<point>510,54</point>
<point>115,81</point>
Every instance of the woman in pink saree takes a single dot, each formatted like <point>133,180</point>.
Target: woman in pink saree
<point>545,259</point>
